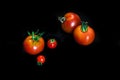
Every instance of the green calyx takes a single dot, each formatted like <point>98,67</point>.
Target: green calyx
<point>52,40</point>
<point>61,19</point>
<point>84,26</point>
<point>35,35</point>
<point>39,63</point>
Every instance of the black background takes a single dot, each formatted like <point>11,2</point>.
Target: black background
<point>68,58</point>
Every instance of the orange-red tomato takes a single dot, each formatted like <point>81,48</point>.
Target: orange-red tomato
<point>84,34</point>
<point>69,21</point>
<point>33,44</point>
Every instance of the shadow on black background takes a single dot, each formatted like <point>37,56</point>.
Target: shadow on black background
<point>68,58</point>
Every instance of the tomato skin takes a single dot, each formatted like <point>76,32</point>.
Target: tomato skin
<point>72,20</point>
<point>84,38</point>
<point>33,47</point>
<point>52,43</point>
<point>41,59</point>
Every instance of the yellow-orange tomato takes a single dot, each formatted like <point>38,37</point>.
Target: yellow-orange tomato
<point>84,34</point>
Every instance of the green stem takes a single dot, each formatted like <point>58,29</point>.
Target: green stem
<point>41,34</point>
<point>35,35</point>
<point>39,63</point>
<point>28,33</point>
<point>61,19</point>
<point>37,31</point>
<point>84,26</point>
<point>52,40</point>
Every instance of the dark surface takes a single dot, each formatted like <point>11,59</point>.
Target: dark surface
<point>68,58</point>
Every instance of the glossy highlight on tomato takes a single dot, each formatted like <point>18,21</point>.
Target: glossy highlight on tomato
<point>84,34</point>
<point>69,21</point>
<point>34,43</point>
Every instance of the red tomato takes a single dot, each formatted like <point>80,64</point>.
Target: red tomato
<point>69,22</point>
<point>40,59</point>
<point>84,34</point>
<point>52,43</point>
<point>33,44</point>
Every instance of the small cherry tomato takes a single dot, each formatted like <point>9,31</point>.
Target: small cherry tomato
<point>52,43</point>
<point>84,34</point>
<point>34,43</point>
<point>69,21</point>
<point>40,59</point>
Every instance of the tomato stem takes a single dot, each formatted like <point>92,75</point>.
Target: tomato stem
<point>39,63</point>
<point>84,26</point>
<point>41,34</point>
<point>61,19</point>
<point>35,35</point>
<point>29,33</point>
<point>52,40</point>
<point>37,31</point>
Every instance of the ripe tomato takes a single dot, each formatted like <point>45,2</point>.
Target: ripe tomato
<point>84,34</point>
<point>40,59</point>
<point>33,44</point>
<point>52,43</point>
<point>69,21</point>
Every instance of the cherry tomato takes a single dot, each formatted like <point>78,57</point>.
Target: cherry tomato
<point>52,43</point>
<point>69,22</point>
<point>40,59</point>
<point>34,44</point>
<point>84,34</point>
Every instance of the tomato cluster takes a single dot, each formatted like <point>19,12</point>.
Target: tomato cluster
<point>71,23</point>
<point>82,32</point>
